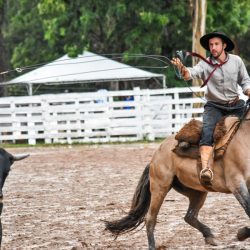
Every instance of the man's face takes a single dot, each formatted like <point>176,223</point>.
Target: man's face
<point>216,46</point>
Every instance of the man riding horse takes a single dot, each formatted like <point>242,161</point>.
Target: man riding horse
<point>222,72</point>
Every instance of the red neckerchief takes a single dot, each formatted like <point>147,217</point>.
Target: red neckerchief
<point>215,65</point>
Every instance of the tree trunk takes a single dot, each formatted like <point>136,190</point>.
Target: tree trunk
<point>199,8</point>
<point>199,13</point>
<point>3,64</point>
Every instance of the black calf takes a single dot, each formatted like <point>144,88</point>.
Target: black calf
<point>6,160</point>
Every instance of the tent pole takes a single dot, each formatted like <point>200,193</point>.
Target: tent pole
<point>30,92</point>
<point>164,81</point>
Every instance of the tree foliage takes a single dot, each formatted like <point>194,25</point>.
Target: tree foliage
<point>41,30</point>
<point>24,36</point>
<point>122,26</point>
<point>232,17</point>
<point>2,47</point>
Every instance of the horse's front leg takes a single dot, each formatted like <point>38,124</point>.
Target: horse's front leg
<point>241,193</point>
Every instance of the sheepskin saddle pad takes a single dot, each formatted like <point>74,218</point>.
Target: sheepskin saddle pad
<point>189,136</point>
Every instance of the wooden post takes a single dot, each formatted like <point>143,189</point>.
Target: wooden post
<point>199,8</point>
<point>199,11</point>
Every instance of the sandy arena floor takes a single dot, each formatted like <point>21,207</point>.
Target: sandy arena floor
<point>56,199</point>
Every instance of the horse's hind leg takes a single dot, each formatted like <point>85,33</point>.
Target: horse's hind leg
<point>196,201</point>
<point>158,188</point>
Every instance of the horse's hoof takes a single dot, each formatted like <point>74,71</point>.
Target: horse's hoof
<point>243,233</point>
<point>211,241</point>
<point>162,247</point>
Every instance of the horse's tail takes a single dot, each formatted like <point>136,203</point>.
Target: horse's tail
<point>138,210</point>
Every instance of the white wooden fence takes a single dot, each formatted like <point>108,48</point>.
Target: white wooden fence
<point>97,117</point>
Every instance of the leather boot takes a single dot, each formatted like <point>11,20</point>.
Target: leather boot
<point>206,173</point>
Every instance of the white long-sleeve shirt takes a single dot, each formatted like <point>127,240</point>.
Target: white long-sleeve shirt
<point>223,84</point>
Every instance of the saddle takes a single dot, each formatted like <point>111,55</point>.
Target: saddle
<point>190,134</point>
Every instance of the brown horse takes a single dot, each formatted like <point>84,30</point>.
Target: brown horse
<point>167,170</point>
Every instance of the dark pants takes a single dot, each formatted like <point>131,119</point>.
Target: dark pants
<point>213,112</point>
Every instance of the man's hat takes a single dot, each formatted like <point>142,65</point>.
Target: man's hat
<point>204,40</point>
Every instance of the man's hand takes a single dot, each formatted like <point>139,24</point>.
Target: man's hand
<point>247,92</point>
<point>183,70</point>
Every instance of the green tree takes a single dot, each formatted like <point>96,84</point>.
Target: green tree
<point>113,26</point>
<point>24,35</point>
<point>41,30</point>
<point>128,27</point>
<point>3,54</point>
<point>230,16</point>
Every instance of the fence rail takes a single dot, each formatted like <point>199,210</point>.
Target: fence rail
<point>105,116</point>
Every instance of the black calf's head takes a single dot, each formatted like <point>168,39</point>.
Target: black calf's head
<point>6,160</point>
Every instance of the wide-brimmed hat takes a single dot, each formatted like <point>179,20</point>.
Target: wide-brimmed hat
<point>204,40</point>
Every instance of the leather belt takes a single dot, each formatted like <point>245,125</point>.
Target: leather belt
<point>234,101</point>
<point>229,103</point>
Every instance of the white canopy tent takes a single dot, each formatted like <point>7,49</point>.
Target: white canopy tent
<point>87,67</point>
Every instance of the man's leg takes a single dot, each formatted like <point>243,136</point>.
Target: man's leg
<point>211,116</point>
<point>206,153</point>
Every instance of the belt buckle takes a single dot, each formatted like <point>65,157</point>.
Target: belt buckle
<point>234,101</point>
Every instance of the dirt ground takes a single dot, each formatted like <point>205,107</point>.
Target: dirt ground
<point>58,197</point>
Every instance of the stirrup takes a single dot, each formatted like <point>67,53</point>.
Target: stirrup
<point>203,171</point>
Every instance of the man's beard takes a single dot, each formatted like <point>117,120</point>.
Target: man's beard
<point>218,54</point>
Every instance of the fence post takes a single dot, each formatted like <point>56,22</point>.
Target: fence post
<point>147,118</point>
<point>176,108</point>
<point>31,126</point>
<point>16,124</point>
<point>48,133</point>
<point>138,110</point>
<point>109,112</point>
